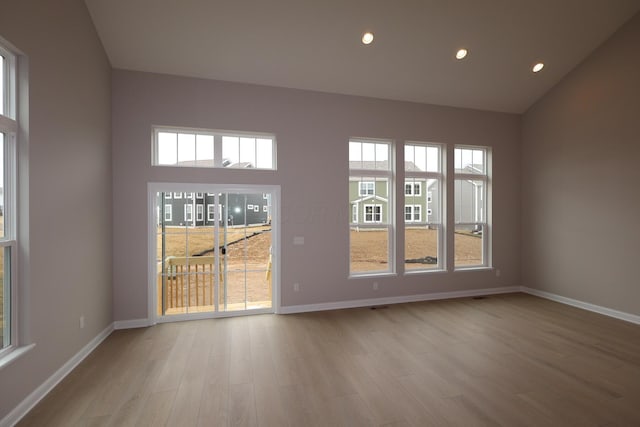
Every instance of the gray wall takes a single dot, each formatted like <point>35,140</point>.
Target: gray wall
<point>580,196</point>
<point>68,263</point>
<point>312,131</point>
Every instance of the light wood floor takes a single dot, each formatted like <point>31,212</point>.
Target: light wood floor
<point>512,360</point>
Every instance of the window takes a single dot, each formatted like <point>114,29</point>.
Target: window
<point>472,234</point>
<point>372,213</point>
<point>412,188</point>
<point>167,213</point>
<point>424,239</point>
<point>8,209</point>
<point>370,201</point>
<point>250,207</point>
<point>265,208</point>
<point>367,188</point>
<point>256,208</point>
<point>199,212</point>
<point>177,195</point>
<point>211,212</point>
<point>188,213</point>
<point>212,149</point>
<point>412,213</point>
<point>199,195</point>
<point>167,195</point>
<point>188,195</point>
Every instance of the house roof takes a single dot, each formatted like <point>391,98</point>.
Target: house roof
<point>381,165</point>
<point>209,163</point>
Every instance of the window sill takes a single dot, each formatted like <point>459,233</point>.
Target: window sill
<point>472,268</point>
<point>370,275</point>
<point>417,272</point>
<point>14,355</point>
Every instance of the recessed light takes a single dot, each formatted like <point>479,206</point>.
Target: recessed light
<point>536,68</point>
<point>367,37</point>
<point>461,54</point>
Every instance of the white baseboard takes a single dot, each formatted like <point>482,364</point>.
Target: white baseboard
<point>584,305</point>
<point>39,393</point>
<point>131,324</point>
<point>395,300</point>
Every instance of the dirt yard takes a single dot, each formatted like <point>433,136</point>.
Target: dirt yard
<point>247,258</point>
<point>369,249</point>
<point>246,264</point>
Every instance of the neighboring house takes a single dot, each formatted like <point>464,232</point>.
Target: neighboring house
<point>369,199</point>
<point>198,209</point>
<point>469,198</point>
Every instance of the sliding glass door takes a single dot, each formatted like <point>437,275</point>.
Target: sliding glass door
<point>214,251</point>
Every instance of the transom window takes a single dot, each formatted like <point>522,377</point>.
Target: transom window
<point>213,149</point>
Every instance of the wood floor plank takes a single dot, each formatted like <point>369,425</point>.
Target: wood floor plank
<point>502,360</point>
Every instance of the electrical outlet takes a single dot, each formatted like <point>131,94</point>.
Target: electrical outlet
<point>296,287</point>
<point>498,272</point>
<point>375,286</point>
<point>82,322</point>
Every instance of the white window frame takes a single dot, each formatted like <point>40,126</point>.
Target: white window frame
<point>376,213</point>
<point>168,210</point>
<point>256,208</point>
<point>13,66</point>
<point>199,195</point>
<point>218,160</point>
<point>199,212</point>
<point>265,209</point>
<point>211,212</point>
<point>354,213</point>
<point>177,195</point>
<point>485,209</point>
<point>188,213</point>
<point>413,176</point>
<point>375,175</point>
<point>366,188</point>
<point>412,188</point>
<point>415,213</point>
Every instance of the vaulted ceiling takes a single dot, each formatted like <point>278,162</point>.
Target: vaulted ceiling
<point>316,44</point>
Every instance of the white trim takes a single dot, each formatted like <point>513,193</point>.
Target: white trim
<point>39,393</point>
<point>213,315</point>
<point>14,354</point>
<point>131,324</point>
<point>374,197</point>
<point>628,317</point>
<point>396,300</point>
